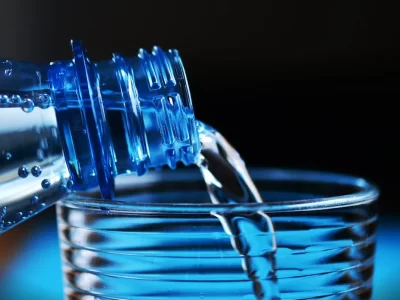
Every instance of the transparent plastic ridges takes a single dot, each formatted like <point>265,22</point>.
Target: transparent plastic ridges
<point>86,123</point>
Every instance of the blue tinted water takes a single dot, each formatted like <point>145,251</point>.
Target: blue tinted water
<point>228,182</point>
<point>147,252</point>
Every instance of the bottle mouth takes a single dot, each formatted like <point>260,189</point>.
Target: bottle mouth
<point>124,115</point>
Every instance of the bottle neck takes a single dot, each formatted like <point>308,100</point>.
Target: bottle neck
<point>123,115</point>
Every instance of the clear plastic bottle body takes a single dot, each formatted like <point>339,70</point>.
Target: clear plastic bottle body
<point>33,172</point>
<point>75,125</point>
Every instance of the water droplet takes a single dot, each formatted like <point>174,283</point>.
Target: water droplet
<point>23,172</point>
<point>46,184</point>
<point>34,200</point>
<point>16,99</point>
<point>8,155</point>
<point>36,171</point>
<point>42,204</point>
<point>84,131</point>
<point>28,105</point>
<point>30,212</point>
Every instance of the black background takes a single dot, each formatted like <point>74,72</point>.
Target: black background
<point>302,84</point>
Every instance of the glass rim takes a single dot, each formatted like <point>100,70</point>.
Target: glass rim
<point>367,192</point>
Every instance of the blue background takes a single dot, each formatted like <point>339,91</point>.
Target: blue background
<point>33,270</point>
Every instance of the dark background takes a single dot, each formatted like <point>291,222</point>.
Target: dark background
<point>304,84</point>
<point>300,84</point>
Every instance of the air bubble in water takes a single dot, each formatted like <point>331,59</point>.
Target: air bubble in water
<point>3,213</point>
<point>28,105</point>
<point>34,200</point>
<point>36,171</point>
<point>16,99</point>
<point>70,183</point>
<point>19,216</point>
<point>4,100</point>
<point>63,189</point>
<point>46,184</point>
<point>23,172</point>
<point>43,100</point>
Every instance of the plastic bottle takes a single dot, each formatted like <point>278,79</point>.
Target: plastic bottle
<point>75,125</point>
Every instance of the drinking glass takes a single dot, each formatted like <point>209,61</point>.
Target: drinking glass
<point>313,237</point>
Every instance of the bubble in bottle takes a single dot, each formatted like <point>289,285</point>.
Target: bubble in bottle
<point>19,216</point>
<point>16,99</point>
<point>3,213</point>
<point>23,172</point>
<point>70,183</point>
<point>46,184</point>
<point>36,171</point>
<point>63,189</point>
<point>34,200</point>
<point>28,105</point>
<point>43,100</point>
<point>4,100</point>
<point>8,155</point>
